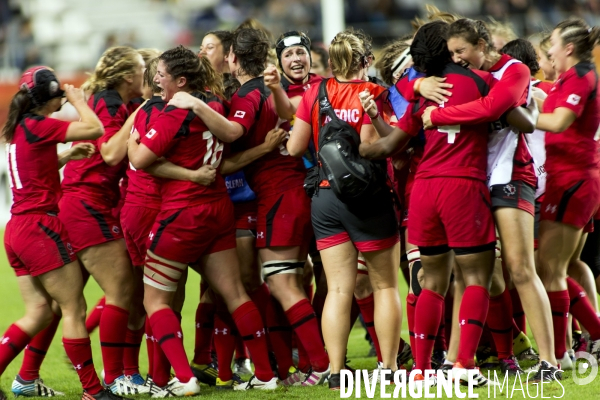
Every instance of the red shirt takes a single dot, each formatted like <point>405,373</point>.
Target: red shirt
<point>183,139</point>
<point>344,100</point>
<point>574,150</point>
<point>33,164</point>
<point>543,85</point>
<point>275,172</point>
<point>91,178</point>
<point>459,150</point>
<point>143,188</point>
<point>298,89</point>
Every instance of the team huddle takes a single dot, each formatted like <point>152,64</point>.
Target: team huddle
<point>476,180</point>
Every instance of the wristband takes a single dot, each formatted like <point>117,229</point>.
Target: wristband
<point>376,116</point>
<point>417,85</point>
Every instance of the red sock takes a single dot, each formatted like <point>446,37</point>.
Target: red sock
<point>248,322</point>
<point>93,320</point>
<point>411,306</point>
<point>167,331</point>
<point>225,338</point>
<point>280,337</point>
<point>161,372</point>
<point>367,309</point>
<point>205,315</point>
<point>431,310</point>
<point>240,348</point>
<point>440,338</point>
<point>559,304</point>
<point>582,310</point>
<point>261,298</point>
<point>303,358</point>
<point>113,329</point>
<point>303,319</point>
<point>131,353</point>
<point>35,352</point>
<point>79,352</point>
<point>11,344</point>
<point>472,315</point>
<point>518,313</point>
<point>149,346</point>
<point>499,320</point>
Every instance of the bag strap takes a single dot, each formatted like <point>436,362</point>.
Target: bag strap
<point>325,108</point>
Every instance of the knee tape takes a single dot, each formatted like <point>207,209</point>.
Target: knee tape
<point>161,274</point>
<point>362,266</point>
<point>414,264</point>
<point>271,268</point>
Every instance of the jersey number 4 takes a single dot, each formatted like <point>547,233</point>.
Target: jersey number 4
<point>11,159</point>
<point>451,130</point>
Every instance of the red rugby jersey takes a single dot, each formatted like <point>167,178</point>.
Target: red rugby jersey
<point>143,188</point>
<point>344,100</point>
<point>458,150</point>
<point>297,89</point>
<point>33,164</point>
<point>91,178</point>
<point>183,139</point>
<point>277,171</point>
<point>574,150</point>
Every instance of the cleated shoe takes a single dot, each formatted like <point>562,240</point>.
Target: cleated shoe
<point>379,368</point>
<point>33,388</point>
<point>595,349</point>
<point>153,388</point>
<point>461,373</point>
<point>565,363</point>
<point>314,378</point>
<point>206,373</point>
<point>294,378</point>
<point>523,349</point>
<point>511,366</point>
<point>242,366</point>
<point>446,368</point>
<point>437,359</point>
<point>137,379</point>
<point>487,358</point>
<point>418,384</point>
<point>123,386</point>
<point>334,382</point>
<point>177,389</point>
<point>405,355</point>
<point>255,383</point>
<point>546,373</point>
<point>105,394</point>
<point>230,384</point>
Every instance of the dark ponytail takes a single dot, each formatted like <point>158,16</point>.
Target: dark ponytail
<point>429,49</point>
<point>20,105</point>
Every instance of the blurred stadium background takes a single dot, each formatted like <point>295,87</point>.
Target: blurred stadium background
<point>70,35</point>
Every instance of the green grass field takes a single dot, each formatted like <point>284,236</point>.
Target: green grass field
<point>58,374</point>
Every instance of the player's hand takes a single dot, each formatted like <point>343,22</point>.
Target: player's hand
<point>80,151</point>
<point>74,95</point>
<point>134,137</point>
<point>272,77</point>
<point>368,103</point>
<point>434,89</point>
<point>427,117</point>
<point>275,137</point>
<point>204,175</point>
<point>183,100</point>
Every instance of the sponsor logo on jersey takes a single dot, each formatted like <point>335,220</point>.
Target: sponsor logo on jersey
<point>509,190</point>
<point>573,99</point>
<point>116,229</point>
<point>239,114</point>
<point>150,133</point>
<point>346,114</point>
